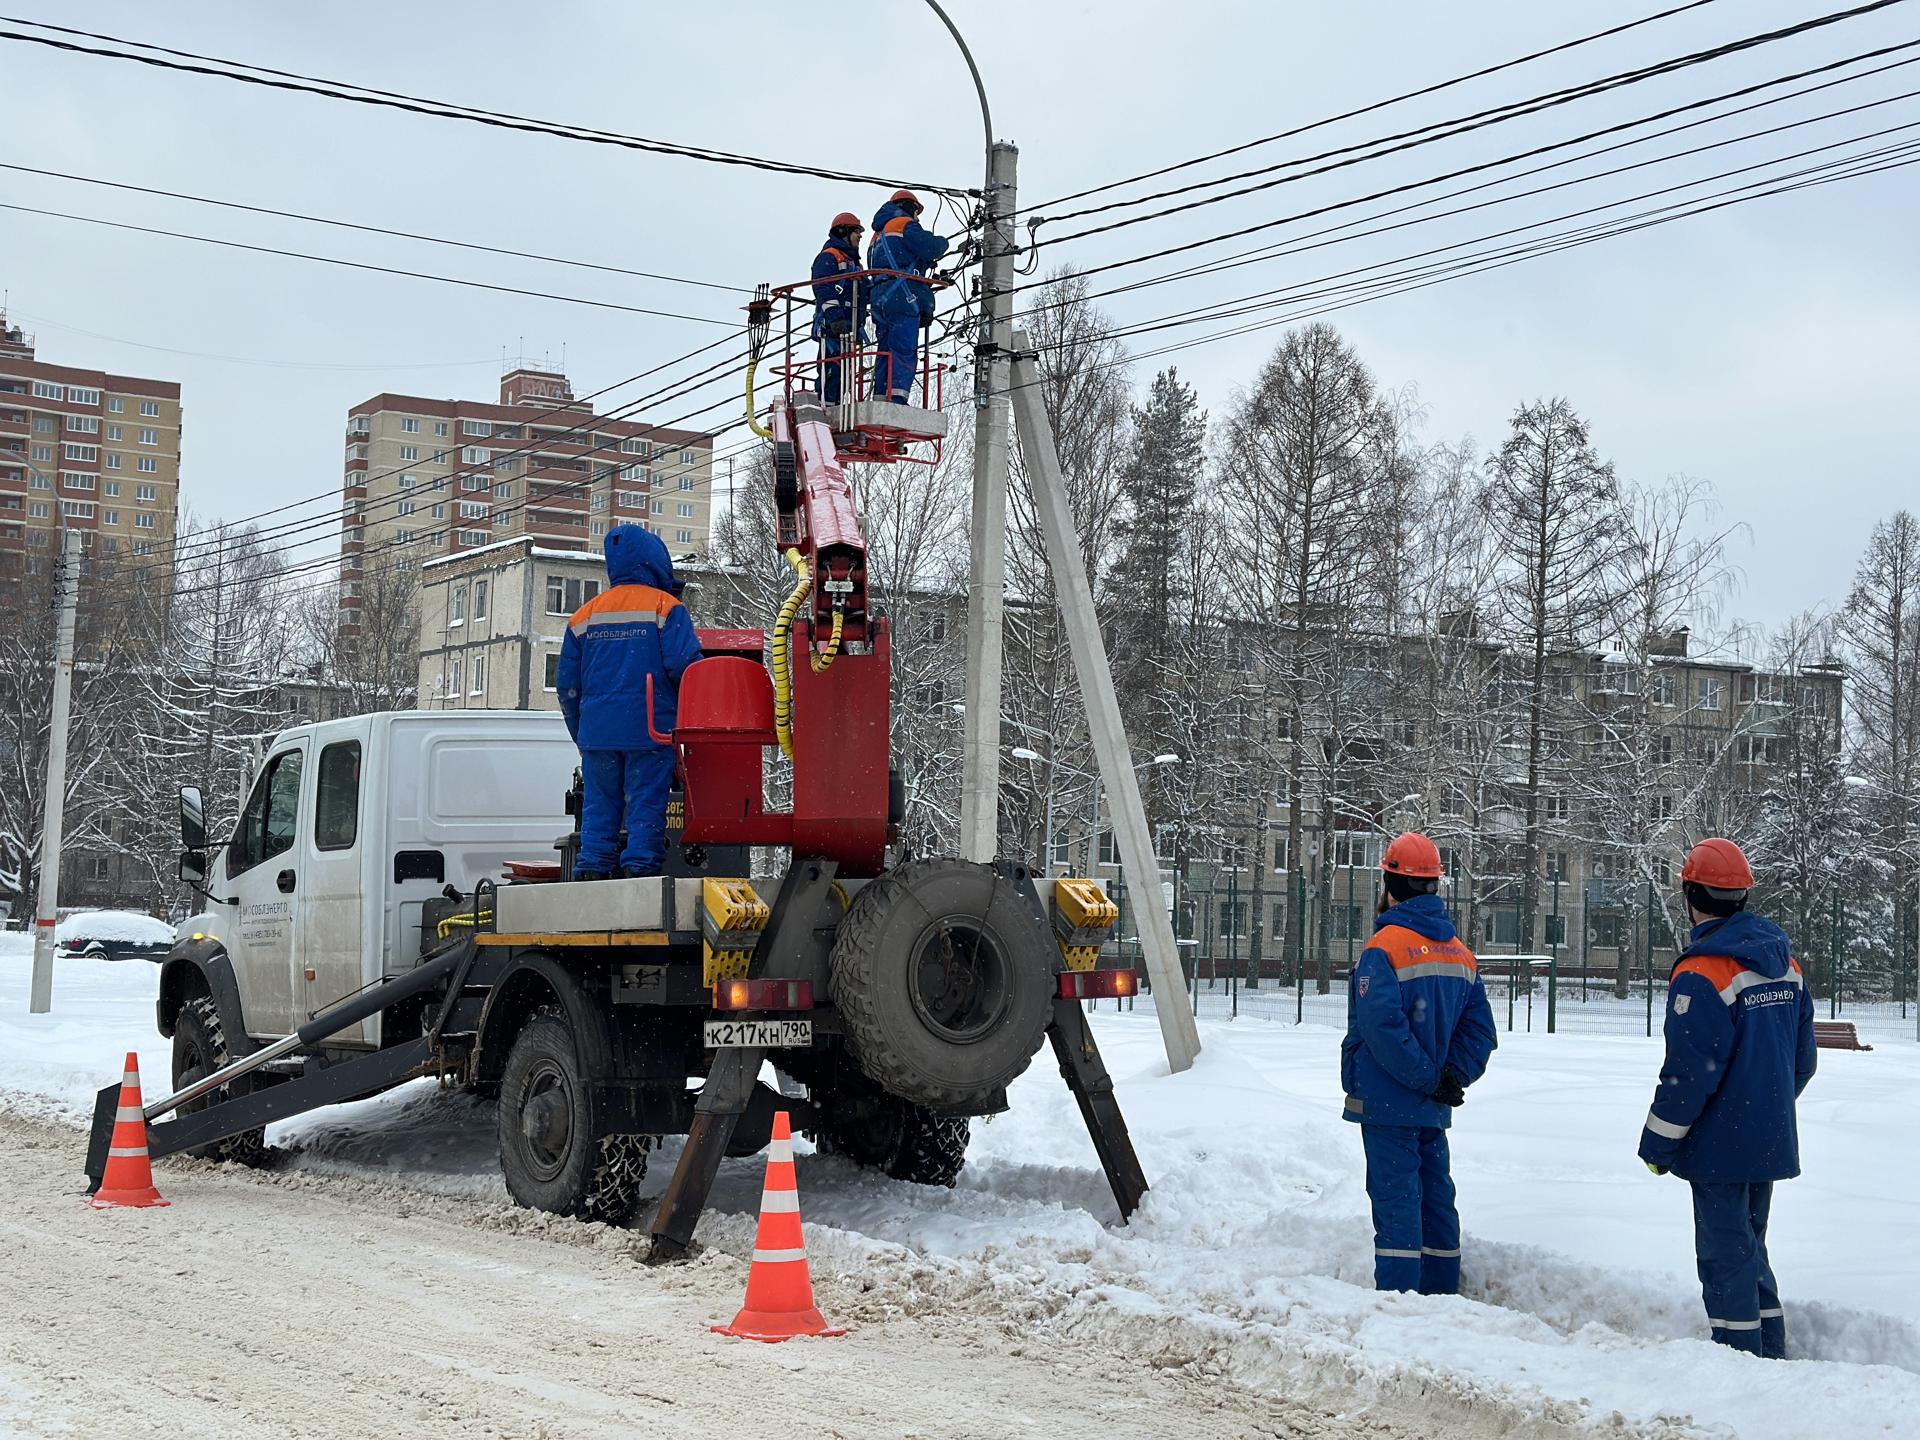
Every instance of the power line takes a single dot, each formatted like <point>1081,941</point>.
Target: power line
<point>1433,133</point>
<point>368,266</point>
<point>1312,240</point>
<point>1375,105</point>
<point>1446,129</point>
<point>445,110</point>
<point>331,496</point>
<point>373,229</point>
<point>252,359</point>
<point>1486,165</point>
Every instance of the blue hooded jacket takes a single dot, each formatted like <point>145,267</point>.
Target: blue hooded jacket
<point>833,299</point>
<point>634,629</point>
<point>1415,1007</point>
<point>901,243</point>
<point>1739,1052</point>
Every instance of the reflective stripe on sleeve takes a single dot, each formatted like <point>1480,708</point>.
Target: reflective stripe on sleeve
<point>1666,1129</point>
<point>1774,1314</point>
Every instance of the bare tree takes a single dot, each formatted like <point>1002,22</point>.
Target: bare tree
<point>1554,509</point>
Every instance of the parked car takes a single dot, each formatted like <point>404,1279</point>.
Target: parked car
<point>112,935</point>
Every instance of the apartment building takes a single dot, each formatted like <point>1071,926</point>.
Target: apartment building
<point>84,450</point>
<point>492,619</point>
<point>427,478</point>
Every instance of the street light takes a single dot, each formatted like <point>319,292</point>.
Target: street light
<point>1022,752</point>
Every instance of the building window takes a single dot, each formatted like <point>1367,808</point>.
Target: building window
<point>113,462</point>
<point>439,427</point>
<point>479,599</point>
<point>83,424</point>
<point>1662,688</point>
<point>148,465</point>
<point>150,407</point>
<point>473,509</point>
<point>40,482</point>
<point>85,454</point>
<point>552,681</point>
<point>1555,807</point>
<point>475,455</point>
<point>1712,692</point>
<point>479,686</point>
<point>474,484</point>
<point>110,517</point>
<point>683,537</point>
<point>146,492</point>
<point>79,395</point>
<point>46,390</point>
<point>143,521</point>
<point>475,537</point>
<point>408,482</point>
<point>686,482</point>
<point>113,432</point>
<point>453,676</point>
<point>686,512</point>
<point>504,490</point>
<point>476,427</point>
<point>599,503</point>
<point>115,405</point>
<point>43,454</point>
<point>564,595</point>
<point>409,452</point>
<point>112,489</point>
<point>406,507</point>
<point>77,480</point>
<point>1556,930</point>
<point>457,606</point>
<point>1354,851</point>
<point>1662,807</point>
<point>38,510</point>
<point>439,512</point>
<point>409,425</point>
<point>686,457</point>
<point>336,811</point>
<point>1557,866</point>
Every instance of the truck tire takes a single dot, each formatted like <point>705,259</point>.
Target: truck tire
<point>199,1049</point>
<point>548,1151</point>
<point>898,1138</point>
<point>943,980</point>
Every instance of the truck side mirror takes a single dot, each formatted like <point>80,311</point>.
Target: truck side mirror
<point>193,868</point>
<point>193,819</point>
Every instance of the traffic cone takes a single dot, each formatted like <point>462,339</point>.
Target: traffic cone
<point>128,1182</point>
<point>779,1302</point>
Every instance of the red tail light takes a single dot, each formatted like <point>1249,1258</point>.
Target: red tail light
<point>763,995</point>
<point>1098,984</point>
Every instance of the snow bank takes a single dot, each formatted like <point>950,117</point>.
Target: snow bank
<point>1252,1256</point>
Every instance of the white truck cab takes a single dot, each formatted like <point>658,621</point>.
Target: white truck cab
<point>351,826</point>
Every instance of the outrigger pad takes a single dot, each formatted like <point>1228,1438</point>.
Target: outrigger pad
<point>106,1103</point>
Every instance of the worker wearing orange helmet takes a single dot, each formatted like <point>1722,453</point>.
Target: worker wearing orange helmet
<point>1419,1032</point>
<point>902,302</point>
<point>839,303</point>
<point>1740,1049</point>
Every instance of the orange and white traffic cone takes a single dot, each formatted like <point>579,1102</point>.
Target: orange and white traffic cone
<point>128,1181</point>
<point>779,1302</point>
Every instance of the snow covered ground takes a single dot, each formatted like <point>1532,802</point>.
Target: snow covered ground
<point>1251,1260</point>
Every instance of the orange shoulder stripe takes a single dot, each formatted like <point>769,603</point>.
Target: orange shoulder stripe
<point>1716,970</point>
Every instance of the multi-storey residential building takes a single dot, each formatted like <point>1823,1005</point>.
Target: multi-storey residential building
<point>427,478</point>
<point>83,450</point>
<point>492,619</point>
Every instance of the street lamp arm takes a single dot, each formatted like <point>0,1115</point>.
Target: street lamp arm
<point>980,89</point>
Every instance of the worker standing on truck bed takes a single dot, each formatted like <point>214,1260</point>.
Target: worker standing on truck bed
<point>1419,1031</point>
<point>636,630</point>
<point>1740,1050</point>
<point>902,307</point>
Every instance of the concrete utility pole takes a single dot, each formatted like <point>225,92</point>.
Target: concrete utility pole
<point>980,793</point>
<point>40,996</point>
<point>1129,815</point>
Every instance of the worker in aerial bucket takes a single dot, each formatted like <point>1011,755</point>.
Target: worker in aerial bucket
<point>1740,1050</point>
<point>635,630</point>
<point>1419,1031</point>
<point>839,304</point>
<point>902,304</point>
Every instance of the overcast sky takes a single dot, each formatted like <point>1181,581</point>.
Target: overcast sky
<point>1768,348</point>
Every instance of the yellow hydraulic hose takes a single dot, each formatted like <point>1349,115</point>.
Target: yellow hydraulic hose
<point>762,431</point>
<point>821,661</point>
<point>782,654</point>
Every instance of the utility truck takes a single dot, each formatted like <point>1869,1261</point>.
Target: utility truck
<point>388,905</point>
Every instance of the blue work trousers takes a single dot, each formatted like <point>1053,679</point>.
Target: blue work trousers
<point>832,347</point>
<point>1736,1279</point>
<point>1416,1229</point>
<point>630,788</point>
<point>893,368</point>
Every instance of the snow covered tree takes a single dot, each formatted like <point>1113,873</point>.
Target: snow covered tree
<point>1161,481</point>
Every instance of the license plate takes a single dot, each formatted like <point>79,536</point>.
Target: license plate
<point>760,1034</point>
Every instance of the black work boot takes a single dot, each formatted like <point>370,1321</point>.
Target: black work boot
<point>591,875</point>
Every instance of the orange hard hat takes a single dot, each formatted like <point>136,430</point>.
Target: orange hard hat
<point>906,197</point>
<point>1413,854</point>
<point>846,220</point>
<point>1719,865</point>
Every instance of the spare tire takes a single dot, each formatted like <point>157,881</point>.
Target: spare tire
<point>943,977</point>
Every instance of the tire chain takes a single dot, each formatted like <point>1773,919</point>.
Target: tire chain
<point>613,1190</point>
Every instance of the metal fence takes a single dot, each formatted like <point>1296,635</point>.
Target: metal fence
<point>1528,994</point>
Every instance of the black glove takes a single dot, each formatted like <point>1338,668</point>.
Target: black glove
<point>926,321</point>
<point>839,327</point>
<point>1449,1092</point>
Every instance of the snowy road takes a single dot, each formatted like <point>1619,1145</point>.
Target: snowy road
<point>1237,1303</point>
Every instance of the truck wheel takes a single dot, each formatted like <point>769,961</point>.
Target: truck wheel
<point>199,1049</point>
<point>943,979</point>
<point>899,1139</point>
<point>548,1152</point>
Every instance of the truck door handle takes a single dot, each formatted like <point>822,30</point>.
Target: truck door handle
<point>286,882</point>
